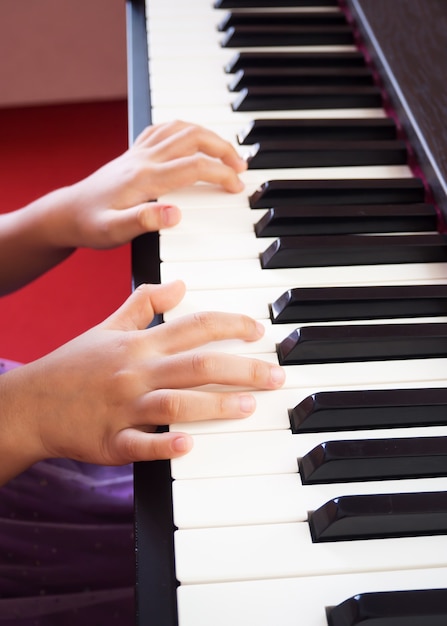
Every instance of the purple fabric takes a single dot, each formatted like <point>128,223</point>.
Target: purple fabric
<point>6,365</point>
<point>66,545</point>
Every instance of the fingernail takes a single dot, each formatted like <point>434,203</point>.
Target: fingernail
<point>260,329</point>
<point>181,444</point>
<point>247,404</point>
<point>277,375</point>
<point>169,215</point>
<point>239,185</point>
<point>243,164</point>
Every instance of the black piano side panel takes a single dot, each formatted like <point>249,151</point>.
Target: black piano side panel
<point>156,602</point>
<point>407,40</point>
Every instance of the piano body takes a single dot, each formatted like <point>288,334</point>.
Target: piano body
<point>242,522</point>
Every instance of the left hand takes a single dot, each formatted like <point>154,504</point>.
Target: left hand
<point>100,397</point>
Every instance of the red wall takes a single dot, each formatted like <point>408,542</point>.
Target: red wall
<point>43,148</point>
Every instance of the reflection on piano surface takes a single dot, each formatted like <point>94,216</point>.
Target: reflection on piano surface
<point>336,488</point>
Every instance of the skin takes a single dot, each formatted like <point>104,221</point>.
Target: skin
<point>112,206</point>
<point>101,397</point>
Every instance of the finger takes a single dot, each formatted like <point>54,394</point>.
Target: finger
<point>176,139</point>
<point>125,225</point>
<point>157,133</point>
<point>170,406</point>
<point>188,170</point>
<point>191,139</point>
<point>192,331</point>
<point>132,445</point>
<point>137,312</point>
<point>195,369</point>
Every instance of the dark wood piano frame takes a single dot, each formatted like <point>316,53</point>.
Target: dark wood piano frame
<point>407,44</point>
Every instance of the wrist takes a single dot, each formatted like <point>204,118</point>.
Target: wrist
<point>20,445</point>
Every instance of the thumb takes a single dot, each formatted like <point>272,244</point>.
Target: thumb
<point>134,445</point>
<point>138,311</point>
<point>143,218</point>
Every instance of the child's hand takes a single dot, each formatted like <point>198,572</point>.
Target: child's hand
<point>113,205</point>
<point>100,397</point>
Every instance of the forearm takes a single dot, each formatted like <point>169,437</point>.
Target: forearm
<point>28,241</point>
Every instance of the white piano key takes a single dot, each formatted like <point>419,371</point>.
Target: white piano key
<point>175,247</point>
<point>162,35</point>
<point>164,41</point>
<point>286,550</point>
<point>272,453</point>
<point>211,246</point>
<point>157,8</point>
<point>271,412</point>
<point>275,333</point>
<point>213,95</point>
<point>271,499</point>
<point>192,15</point>
<point>252,302</point>
<point>362,373</point>
<point>187,81</point>
<point>196,221</point>
<point>247,273</point>
<point>291,601</point>
<point>205,195</point>
<point>217,116</point>
<point>268,452</point>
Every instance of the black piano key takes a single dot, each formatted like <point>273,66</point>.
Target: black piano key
<point>369,342</point>
<point>280,18</point>
<point>392,608</point>
<point>274,59</point>
<point>349,518</point>
<point>330,304</point>
<point>284,154</point>
<point>278,193</point>
<point>369,409</point>
<point>288,35</point>
<point>374,459</point>
<point>345,220</point>
<point>334,250</point>
<point>318,130</point>
<point>241,4</point>
<point>287,98</point>
<point>294,77</point>
<point>289,76</point>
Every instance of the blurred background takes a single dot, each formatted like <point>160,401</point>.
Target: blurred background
<point>63,113</point>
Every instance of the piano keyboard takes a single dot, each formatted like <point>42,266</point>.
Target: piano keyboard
<point>243,549</point>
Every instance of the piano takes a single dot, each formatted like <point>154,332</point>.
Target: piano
<point>327,506</point>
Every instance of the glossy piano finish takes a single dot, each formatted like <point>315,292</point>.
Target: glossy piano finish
<point>408,42</point>
<point>347,219</point>
<point>358,410</point>
<point>427,607</point>
<point>357,303</point>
